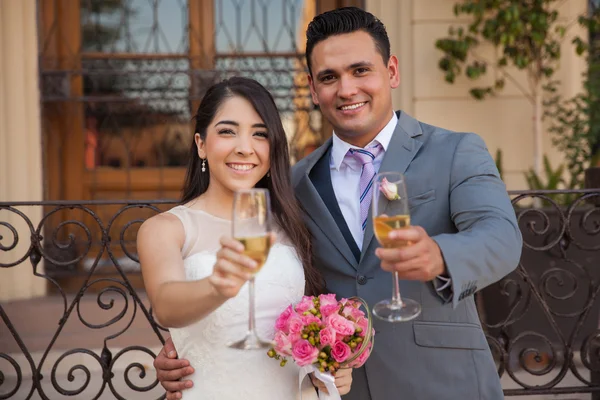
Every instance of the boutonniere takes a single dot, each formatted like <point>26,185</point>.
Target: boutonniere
<point>389,190</point>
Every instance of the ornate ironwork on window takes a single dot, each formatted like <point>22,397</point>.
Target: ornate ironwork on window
<point>541,321</point>
<point>139,69</point>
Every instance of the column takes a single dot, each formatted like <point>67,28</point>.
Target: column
<point>397,18</point>
<point>20,142</point>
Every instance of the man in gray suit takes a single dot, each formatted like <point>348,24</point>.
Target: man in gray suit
<point>464,235</point>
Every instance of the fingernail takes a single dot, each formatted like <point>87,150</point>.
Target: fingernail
<point>188,384</point>
<point>171,354</point>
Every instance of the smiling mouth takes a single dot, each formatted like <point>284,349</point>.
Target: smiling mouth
<point>241,167</point>
<point>351,107</point>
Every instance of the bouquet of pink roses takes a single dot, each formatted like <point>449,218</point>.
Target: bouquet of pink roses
<point>322,335</point>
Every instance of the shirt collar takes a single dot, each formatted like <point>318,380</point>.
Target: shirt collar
<point>340,147</point>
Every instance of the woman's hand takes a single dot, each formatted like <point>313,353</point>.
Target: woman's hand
<point>343,381</point>
<point>232,268</point>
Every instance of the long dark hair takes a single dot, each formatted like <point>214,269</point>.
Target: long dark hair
<point>286,209</point>
<point>346,20</point>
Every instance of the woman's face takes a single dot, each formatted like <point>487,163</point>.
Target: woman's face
<point>236,146</point>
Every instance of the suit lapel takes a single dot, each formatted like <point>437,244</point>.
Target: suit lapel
<point>318,199</point>
<point>402,149</point>
<point>320,176</point>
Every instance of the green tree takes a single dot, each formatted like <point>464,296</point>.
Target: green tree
<point>524,35</point>
<point>101,23</point>
<point>575,122</point>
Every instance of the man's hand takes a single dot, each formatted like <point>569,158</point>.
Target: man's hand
<point>169,371</point>
<point>421,260</point>
<point>343,381</point>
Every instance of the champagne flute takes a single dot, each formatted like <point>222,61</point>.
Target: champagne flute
<point>390,212</point>
<point>251,225</point>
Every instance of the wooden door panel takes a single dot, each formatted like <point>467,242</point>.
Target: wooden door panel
<point>118,111</point>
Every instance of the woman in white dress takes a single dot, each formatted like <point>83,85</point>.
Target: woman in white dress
<point>196,275</point>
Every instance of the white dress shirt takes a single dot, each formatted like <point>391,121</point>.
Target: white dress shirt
<point>345,176</point>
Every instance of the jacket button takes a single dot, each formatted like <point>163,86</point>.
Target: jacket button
<point>362,280</point>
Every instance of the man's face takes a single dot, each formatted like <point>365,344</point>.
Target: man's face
<point>352,85</point>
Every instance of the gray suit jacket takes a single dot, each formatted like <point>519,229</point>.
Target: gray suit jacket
<point>456,195</point>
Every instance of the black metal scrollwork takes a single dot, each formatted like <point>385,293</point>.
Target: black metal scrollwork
<point>76,241</point>
<point>541,320</point>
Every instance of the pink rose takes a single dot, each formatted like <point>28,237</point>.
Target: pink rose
<point>305,304</point>
<point>340,351</point>
<point>340,324</point>
<point>329,309</point>
<point>327,337</point>
<point>304,353</point>
<point>360,361</point>
<point>328,304</point>
<point>362,323</point>
<point>283,344</point>
<point>295,324</point>
<point>327,299</point>
<point>309,319</point>
<point>282,322</point>
<point>353,312</point>
<point>294,337</point>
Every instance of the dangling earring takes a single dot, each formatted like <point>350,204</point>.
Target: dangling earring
<point>268,174</point>
<point>203,165</point>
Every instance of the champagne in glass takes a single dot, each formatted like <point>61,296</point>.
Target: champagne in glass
<point>251,225</point>
<point>390,212</point>
<point>383,225</point>
<point>257,248</point>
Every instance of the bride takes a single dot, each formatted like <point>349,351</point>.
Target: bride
<point>196,275</point>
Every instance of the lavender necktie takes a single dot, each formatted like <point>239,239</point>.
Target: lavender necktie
<point>365,157</point>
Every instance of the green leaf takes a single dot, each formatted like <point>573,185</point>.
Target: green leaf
<point>480,93</point>
<point>498,160</point>
<point>533,180</point>
<point>444,64</point>
<point>475,70</point>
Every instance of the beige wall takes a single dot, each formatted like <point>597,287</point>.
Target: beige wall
<point>20,141</point>
<point>505,121</point>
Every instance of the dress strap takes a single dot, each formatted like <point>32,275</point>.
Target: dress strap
<point>181,213</point>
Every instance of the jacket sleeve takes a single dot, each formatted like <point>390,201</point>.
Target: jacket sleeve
<point>487,245</point>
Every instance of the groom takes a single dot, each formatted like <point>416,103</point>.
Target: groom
<point>464,234</point>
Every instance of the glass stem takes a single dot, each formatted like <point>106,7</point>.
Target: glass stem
<point>396,299</point>
<point>251,320</point>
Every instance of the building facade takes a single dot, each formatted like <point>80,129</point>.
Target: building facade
<point>96,100</point>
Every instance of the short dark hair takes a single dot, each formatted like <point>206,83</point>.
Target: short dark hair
<point>346,20</point>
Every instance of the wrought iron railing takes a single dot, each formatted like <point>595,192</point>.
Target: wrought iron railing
<point>541,320</point>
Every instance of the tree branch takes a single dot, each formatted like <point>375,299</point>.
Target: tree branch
<point>506,75</point>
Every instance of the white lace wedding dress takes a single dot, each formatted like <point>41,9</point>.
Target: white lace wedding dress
<point>221,372</point>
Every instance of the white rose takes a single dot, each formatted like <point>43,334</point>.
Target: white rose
<point>390,190</point>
